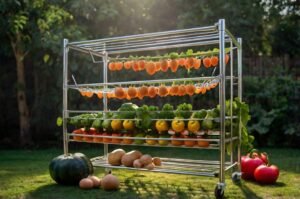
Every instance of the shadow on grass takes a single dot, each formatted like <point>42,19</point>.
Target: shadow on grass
<point>55,191</point>
<point>130,188</point>
<point>249,193</point>
<point>164,190</point>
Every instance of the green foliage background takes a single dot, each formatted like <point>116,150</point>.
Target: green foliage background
<point>267,27</point>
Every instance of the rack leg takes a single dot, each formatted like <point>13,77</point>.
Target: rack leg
<point>65,97</point>
<point>239,59</point>
<point>222,98</point>
<point>105,151</point>
<point>107,170</point>
<point>105,102</point>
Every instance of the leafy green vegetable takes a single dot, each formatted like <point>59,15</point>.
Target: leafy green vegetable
<point>153,111</point>
<point>106,124</point>
<point>167,112</point>
<point>97,124</point>
<point>86,120</point>
<point>75,121</point>
<point>145,121</point>
<point>184,110</point>
<point>199,114</point>
<point>207,123</point>
<point>126,111</point>
<point>242,111</point>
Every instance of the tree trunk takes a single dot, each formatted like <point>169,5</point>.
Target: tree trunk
<point>24,119</point>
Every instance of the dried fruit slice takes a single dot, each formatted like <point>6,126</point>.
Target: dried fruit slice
<point>214,60</point>
<point>112,66</point>
<point>203,91</point>
<point>110,95</point>
<point>82,93</point>
<point>120,93</point>
<point>141,64</point>
<point>207,62</point>
<point>152,91</point>
<point>190,89</point>
<point>157,66</point>
<point>100,95</point>
<point>189,63</point>
<point>181,90</point>
<point>150,68</point>
<point>89,94</point>
<point>174,65</point>
<point>128,65</point>
<point>181,61</point>
<point>164,65</point>
<point>128,97</point>
<point>135,66</point>
<point>119,66</point>
<point>197,63</point>
<point>198,89</point>
<point>163,91</point>
<point>142,92</point>
<point>213,85</point>
<point>174,90</point>
<point>132,92</point>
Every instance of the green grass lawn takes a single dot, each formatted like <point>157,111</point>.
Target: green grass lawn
<point>24,174</point>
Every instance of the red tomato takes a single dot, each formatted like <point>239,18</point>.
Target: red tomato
<point>78,131</point>
<point>116,140</point>
<point>248,166</point>
<point>263,156</point>
<point>266,174</point>
<point>91,131</point>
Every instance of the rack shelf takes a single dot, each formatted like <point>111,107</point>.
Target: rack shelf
<point>147,82</point>
<point>174,166</point>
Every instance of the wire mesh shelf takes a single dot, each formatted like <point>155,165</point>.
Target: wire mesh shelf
<point>175,166</point>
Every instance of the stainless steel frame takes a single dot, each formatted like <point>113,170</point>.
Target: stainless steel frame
<point>216,35</point>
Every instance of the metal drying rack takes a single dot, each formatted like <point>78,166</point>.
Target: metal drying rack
<point>101,50</point>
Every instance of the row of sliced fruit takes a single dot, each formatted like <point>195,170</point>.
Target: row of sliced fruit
<point>152,91</point>
<point>129,138</point>
<point>172,61</point>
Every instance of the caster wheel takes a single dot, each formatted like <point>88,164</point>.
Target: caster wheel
<point>219,192</point>
<point>236,177</point>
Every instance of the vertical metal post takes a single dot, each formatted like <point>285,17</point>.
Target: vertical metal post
<point>65,96</point>
<point>240,68</point>
<point>222,98</point>
<point>105,63</point>
<point>231,100</point>
<point>239,60</point>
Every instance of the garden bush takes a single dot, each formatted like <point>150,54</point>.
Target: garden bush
<point>274,108</point>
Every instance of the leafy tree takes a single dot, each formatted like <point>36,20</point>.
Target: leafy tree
<point>29,25</point>
<point>283,26</point>
<point>243,18</point>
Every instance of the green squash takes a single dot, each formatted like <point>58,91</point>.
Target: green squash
<point>70,169</point>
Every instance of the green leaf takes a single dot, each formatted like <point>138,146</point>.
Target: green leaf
<point>59,121</point>
<point>189,52</point>
<point>46,58</point>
